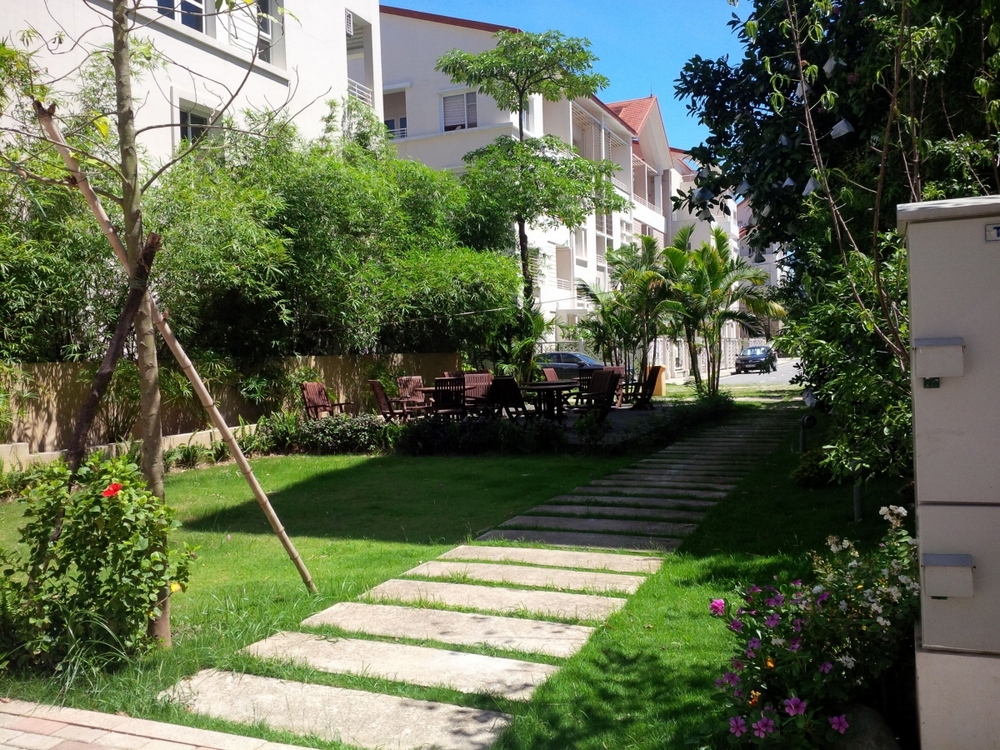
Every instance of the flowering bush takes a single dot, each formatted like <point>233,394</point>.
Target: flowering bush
<point>804,652</point>
<point>93,559</point>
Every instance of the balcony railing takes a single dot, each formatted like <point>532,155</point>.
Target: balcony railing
<point>360,92</point>
<point>398,133</point>
<point>620,185</point>
<point>643,202</point>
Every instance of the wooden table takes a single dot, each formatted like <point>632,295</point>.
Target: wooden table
<point>551,391</point>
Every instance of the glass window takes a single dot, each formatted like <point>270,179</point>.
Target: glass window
<point>166,7</point>
<point>193,126</point>
<point>460,111</point>
<point>193,14</point>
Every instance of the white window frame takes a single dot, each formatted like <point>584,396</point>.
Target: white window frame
<point>469,98</point>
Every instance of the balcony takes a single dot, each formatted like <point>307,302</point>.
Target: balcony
<point>397,133</point>
<point>360,92</point>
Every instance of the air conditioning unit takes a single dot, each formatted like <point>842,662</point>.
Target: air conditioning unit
<point>349,17</point>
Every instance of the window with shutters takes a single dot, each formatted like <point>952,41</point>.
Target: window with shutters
<point>460,111</point>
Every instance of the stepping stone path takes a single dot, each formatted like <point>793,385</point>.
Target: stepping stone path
<point>530,602</point>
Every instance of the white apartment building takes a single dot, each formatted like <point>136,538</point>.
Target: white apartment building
<point>437,122</point>
<point>258,56</point>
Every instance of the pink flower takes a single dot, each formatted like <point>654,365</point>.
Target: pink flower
<point>763,727</point>
<point>797,625</point>
<point>738,725</point>
<point>839,723</point>
<point>823,597</point>
<point>795,644</point>
<point>738,693</point>
<point>113,489</point>
<point>825,667</point>
<point>749,654</point>
<point>736,626</point>
<point>736,664</point>
<point>776,601</point>
<point>797,583</point>
<point>772,620</point>
<point>795,706</point>
<point>753,590</point>
<point>732,679</point>
<point>720,683</point>
<point>717,607</point>
<point>754,643</point>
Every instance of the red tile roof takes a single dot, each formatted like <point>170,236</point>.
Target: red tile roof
<point>634,112</point>
<point>449,20</point>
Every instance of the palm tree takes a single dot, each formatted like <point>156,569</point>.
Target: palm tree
<point>678,262</point>
<point>726,288</point>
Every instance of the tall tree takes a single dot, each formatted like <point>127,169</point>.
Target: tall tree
<point>838,111</point>
<point>520,65</point>
<point>535,182</point>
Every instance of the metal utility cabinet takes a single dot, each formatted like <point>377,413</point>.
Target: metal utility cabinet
<point>954,256</point>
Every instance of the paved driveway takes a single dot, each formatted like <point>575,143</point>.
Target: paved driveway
<point>786,369</point>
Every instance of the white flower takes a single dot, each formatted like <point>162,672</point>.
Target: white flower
<point>818,589</point>
<point>847,661</point>
<point>778,641</point>
<point>882,621</point>
<point>876,608</point>
<point>905,580</point>
<point>843,606</point>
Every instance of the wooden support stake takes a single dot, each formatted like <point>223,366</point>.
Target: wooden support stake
<point>80,181</point>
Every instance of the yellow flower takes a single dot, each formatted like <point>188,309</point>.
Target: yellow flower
<point>174,588</point>
<point>769,663</point>
<point>754,697</point>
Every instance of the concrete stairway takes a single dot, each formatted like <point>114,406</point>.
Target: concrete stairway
<point>526,600</point>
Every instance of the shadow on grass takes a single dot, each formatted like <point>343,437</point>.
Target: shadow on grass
<point>435,499</point>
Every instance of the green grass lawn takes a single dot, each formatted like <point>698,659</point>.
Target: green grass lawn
<point>645,680</point>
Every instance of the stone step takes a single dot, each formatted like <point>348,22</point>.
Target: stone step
<point>459,628</point>
<point>684,475</point>
<point>616,511</point>
<point>629,501</point>
<point>496,599</point>
<point>418,665</point>
<point>663,492</point>
<point>697,464</point>
<point>557,558</point>
<point>642,528</point>
<point>692,488</point>
<point>354,717</point>
<point>579,539</point>
<point>658,477</point>
<point>523,575</point>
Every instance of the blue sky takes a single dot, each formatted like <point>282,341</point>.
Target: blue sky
<point>642,44</point>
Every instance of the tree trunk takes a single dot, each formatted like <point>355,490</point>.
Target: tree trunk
<point>149,385</point>
<point>522,240</point>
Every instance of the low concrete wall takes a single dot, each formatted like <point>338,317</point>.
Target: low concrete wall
<point>61,388</point>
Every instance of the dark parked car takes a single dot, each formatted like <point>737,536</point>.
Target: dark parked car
<point>567,364</point>
<point>756,358</point>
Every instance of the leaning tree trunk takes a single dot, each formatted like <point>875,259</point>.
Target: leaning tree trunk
<point>149,383</point>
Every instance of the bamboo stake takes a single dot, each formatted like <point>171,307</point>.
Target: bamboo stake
<point>79,180</point>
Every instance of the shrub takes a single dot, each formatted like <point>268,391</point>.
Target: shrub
<point>812,472</point>
<point>340,433</point>
<point>475,435</point>
<point>805,652</point>
<point>86,577</point>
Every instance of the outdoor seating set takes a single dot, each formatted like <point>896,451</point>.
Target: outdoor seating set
<point>456,395</point>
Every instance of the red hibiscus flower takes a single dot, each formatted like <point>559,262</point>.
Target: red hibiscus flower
<point>113,489</point>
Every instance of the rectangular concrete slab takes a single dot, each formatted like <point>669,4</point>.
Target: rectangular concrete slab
<point>496,599</point>
<point>664,514</point>
<point>580,539</point>
<point>369,720</point>
<point>667,494</point>
<point>673,480</point>
<point>460,628</point>
<point>557,558</point>
<point>634,481</point>
<point>523,575</point>
<point>607,525</point>
<point>418,665</point>
<point>630,501</point>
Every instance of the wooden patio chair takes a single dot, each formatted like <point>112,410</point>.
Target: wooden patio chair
<point>603,392</point>
<point>393,409</point>
<point>477,390</point>
<point>408,385</point>
<point>550,374</point>
<point>620,391</point>
<point>644,396</point>
<point>505,398</point>
<point>449,397</point>
<point>317,401</point>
